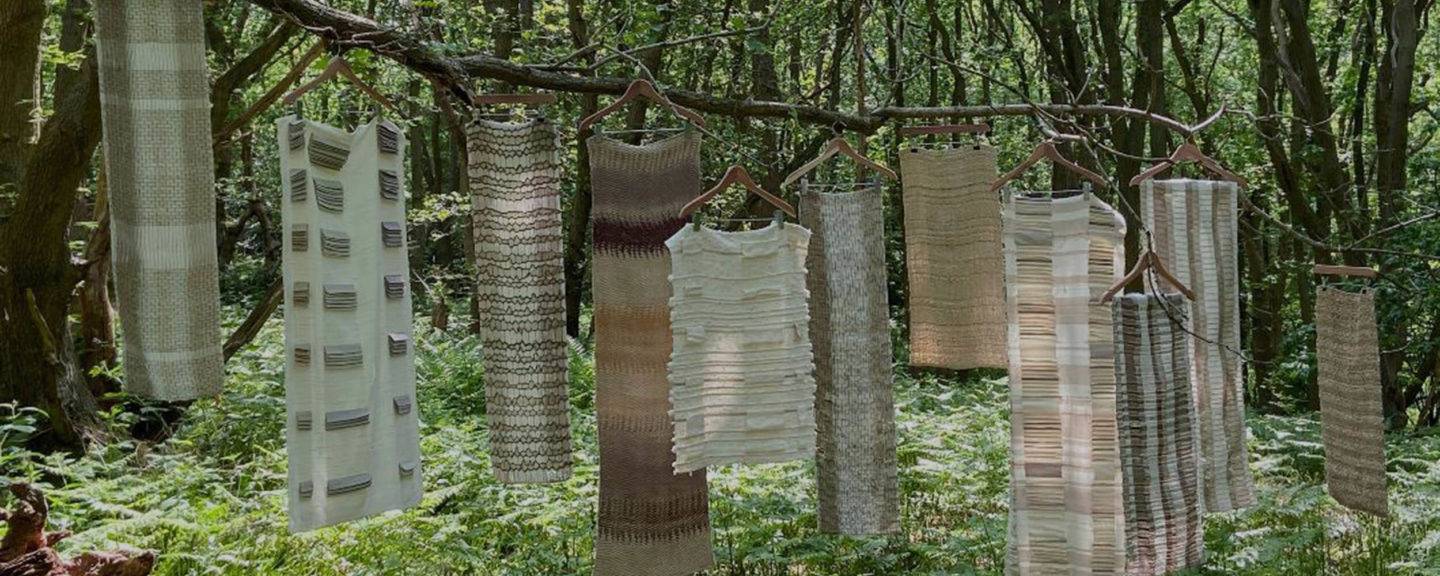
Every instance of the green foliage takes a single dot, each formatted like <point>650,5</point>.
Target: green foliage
<point>211,498</point>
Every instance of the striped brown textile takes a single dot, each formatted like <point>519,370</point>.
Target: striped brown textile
<point>1352,420</point>
<point>953,258</point>
<point>155,106</point>
<point>1159,451</point>
<point>1066,514</point>
<point>652,522</point>
<point>520,287</point>
<point>1192,223</point>
<point>353,429</point>
<point>850,331</point>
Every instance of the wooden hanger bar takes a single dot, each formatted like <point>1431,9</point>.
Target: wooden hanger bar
<point>339,67</point>
<point>535,99</point>
<point>1047,151</point>
<point>980,128</point>
<point>1147,261</point>
<point>642,89</point>
<point>838,145</point>
<point>1188,152</point>
<point>1356,271</point>
<point>736,174</point>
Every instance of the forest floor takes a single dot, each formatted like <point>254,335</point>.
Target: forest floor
<point>211,498</point>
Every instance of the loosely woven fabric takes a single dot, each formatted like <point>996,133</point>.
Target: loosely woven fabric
<point>520,287</point>
<point>352,428</point>
<point>1067,512</point>
<point>1352,419</point>
<point>850,331</point>
<point>953,258</point>
<point>155,106</point>
<point>742,384</point>
<point>1192,224</point>
<point>652,521</point>
<point>1159,451</point>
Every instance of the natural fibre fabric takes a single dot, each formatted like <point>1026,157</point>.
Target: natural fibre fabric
<point>1192,224</point>
<point>352,427</point>
<point>652,521</point>
<point>850,331</point>
<point>1159,451</point>
<point>1352,420</point>
<point>520,288</point>
<point>1066,514</point>
<point>155,106</point>
<point>953,258</point>
<point>742,384</point>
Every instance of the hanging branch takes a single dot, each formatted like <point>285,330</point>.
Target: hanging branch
<point>343,29</point>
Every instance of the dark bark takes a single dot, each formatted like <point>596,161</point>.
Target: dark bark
<point>577,217</point>
<point>20,24</point>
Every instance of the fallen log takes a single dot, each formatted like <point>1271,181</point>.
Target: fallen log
<point>28,550</point>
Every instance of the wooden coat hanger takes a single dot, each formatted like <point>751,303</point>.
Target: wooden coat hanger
<point>339,67</point>
<point>642,89</point>
<point>1354,271</point>
<point>1147,261</point>
<point>1047,151</point>
<point>980,128</point>
<point>1188,152</point>
<point>838,145</point>
<point>736,174</point>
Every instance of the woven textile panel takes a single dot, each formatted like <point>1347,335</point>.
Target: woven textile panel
<point>742,384</point>
<point>1352,419</point>
<point>352,426</point>
<point>155,105</point>
<point>1067,513</point>
<point>519,257</point>
<point>850,331</point>
<point>954,258</point>
<point>1159,450</point>
<point>652,521</point>
<point>1192,223</point>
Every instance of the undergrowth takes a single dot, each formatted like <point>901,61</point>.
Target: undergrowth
<point>211,498</point>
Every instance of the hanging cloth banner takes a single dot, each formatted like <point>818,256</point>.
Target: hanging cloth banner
<point>155,105</point>
<point>1067,513</point>
<point>1352,419</point>
<point>520,288</point>
<point>850,328</point>
<point>1192,224</point>
<point>353,429</point>
<point>652,521</point>
<point>1159,450</point>
<point>742,385</point>
<point>953,258</point>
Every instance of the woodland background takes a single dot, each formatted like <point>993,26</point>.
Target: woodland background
<point>1330,109</point>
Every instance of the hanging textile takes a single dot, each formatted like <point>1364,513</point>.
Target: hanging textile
<point>1192,224</point>
<point>1352,420</point>
<point>652,521</point>
<point>520,287</point>
<point>155,106</point>
<point>850,331</point>
<point>953,258</point>
<point>1159,452</point>
<point>352,429</point>
<point>1066,513</point>
<point>742,385</point>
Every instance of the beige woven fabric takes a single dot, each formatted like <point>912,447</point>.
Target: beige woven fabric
<point>742,385</point>
<point>1192,223</point>
<point>953,258</point>
<point>1067,513</point>
<point>352,429</point>
<point>850,330</point>
<point>652,521</point>
<point>155,105</point>
<point>520,287</point>
<point>1352,419</point>
<point>1159,451</point>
